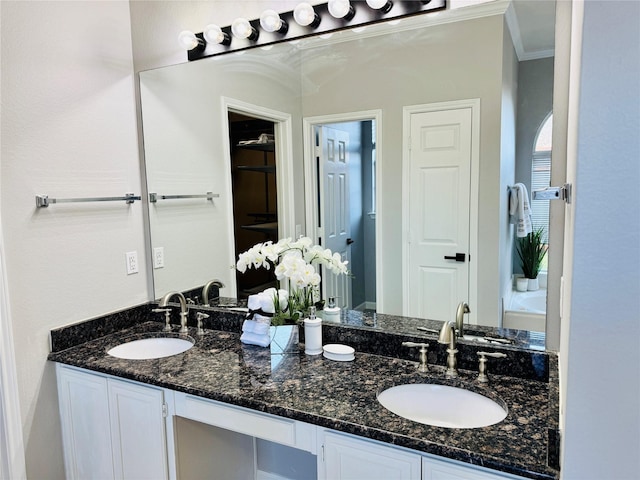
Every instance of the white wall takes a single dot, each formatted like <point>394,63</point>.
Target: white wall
<point>186,152</point>
<point>600,352</point>
<point>68,130</point>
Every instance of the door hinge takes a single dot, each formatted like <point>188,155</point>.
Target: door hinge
<point>322,452</point>
<point>554,193</point>
<point>165,410</point>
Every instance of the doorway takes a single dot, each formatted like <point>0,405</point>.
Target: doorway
<point>254,188</point>
<point>341,203</point>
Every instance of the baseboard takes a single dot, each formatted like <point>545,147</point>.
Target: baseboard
<point>260,475</point>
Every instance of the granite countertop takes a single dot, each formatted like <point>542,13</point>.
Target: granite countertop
<point>342,395</point>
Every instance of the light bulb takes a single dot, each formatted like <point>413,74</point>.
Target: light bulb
<point>189,41</point>
<point>241,28</point>
<point>383,5</point>
<point>214,34</point>
<point>270,21</point>
<point>305,15</point>
<point>341,9</point>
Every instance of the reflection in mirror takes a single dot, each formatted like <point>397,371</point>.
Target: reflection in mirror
<point>187,145</point>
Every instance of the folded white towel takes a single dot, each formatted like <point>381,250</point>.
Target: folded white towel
<point>262,325</point>
<point>519,210</point>
<point>265,300</point>
<point>248,326</point>
<point>255,339</point>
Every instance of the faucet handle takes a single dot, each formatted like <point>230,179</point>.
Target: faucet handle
<point>199,317</point>
<point>422,366</point>
<point>482,367</point>
<point>167,317</point>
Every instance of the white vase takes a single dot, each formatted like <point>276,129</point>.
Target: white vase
<point>522,284</point>
<point>533,284</point>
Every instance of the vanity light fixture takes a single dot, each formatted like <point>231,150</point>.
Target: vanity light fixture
<point>270,21</point>
<point>241,28</point>
<point>189,41</point>
<point>341,9</point>
<point>214,34</point>
<point>306,16</point>
<point>304,20</point>
<point>383,5</point>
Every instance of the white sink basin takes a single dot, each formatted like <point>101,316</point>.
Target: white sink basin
<point>441,405</point>
<point>148,348</point>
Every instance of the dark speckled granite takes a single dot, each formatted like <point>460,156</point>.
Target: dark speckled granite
<point>338,395</point>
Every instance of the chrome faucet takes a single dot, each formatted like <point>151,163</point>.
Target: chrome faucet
<point>183,308</point>
<point>448,336</point>
<point>460,311</point>
<point>207,287</point>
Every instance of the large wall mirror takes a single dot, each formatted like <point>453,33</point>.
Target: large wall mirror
<point>494,60</point>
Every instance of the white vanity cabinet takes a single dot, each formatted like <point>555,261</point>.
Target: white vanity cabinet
<point>111,428</point>
<point>345,457</point>
<point>119,429</point>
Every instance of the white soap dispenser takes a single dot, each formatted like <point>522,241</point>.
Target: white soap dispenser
<point>312,333</point>
<point>331,313</point>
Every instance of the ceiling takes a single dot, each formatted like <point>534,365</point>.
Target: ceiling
<point>532,24</point>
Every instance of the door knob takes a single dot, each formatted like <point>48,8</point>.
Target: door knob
<point>459,257</point>
<point>350,241</point>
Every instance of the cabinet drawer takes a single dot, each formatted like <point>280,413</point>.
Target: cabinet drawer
<point>246,421</point>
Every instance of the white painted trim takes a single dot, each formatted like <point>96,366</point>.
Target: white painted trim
<point>12,460</point>
<point>310,180</point>
<point>284,166</point>
<point>261,475</point>
<point>407,111</point>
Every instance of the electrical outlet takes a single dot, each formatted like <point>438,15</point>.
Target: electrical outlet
<point>132,262</point>
<point>158,257</point>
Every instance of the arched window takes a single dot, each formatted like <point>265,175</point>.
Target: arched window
<point>541,175</point>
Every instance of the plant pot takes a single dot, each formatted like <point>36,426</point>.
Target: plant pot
<point>522,284</point>
<point>284,339</point>
<point>533,284</point>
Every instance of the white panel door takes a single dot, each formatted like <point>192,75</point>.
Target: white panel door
<point>440,181</point>
<point>347,458</point>
<point>84,415</point>
<point>137,429</point>
<point>334,209</point>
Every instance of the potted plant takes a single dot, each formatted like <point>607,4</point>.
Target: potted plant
<point>531,250</point>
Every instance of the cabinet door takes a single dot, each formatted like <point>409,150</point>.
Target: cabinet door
<point>84,414</point>
<point>433,469</point>
<point>347,458</point>
<point>137,431</point>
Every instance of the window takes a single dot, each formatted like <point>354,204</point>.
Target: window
<point>541,178</point>
<point>541,175</point>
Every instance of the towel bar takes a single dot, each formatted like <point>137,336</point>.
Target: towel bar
<point>154,197</point>
<point>45,201</point>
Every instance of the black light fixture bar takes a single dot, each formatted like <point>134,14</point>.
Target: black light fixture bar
<point>328,24</point>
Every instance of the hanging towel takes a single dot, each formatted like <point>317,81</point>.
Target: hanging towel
<point>519,210</point>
